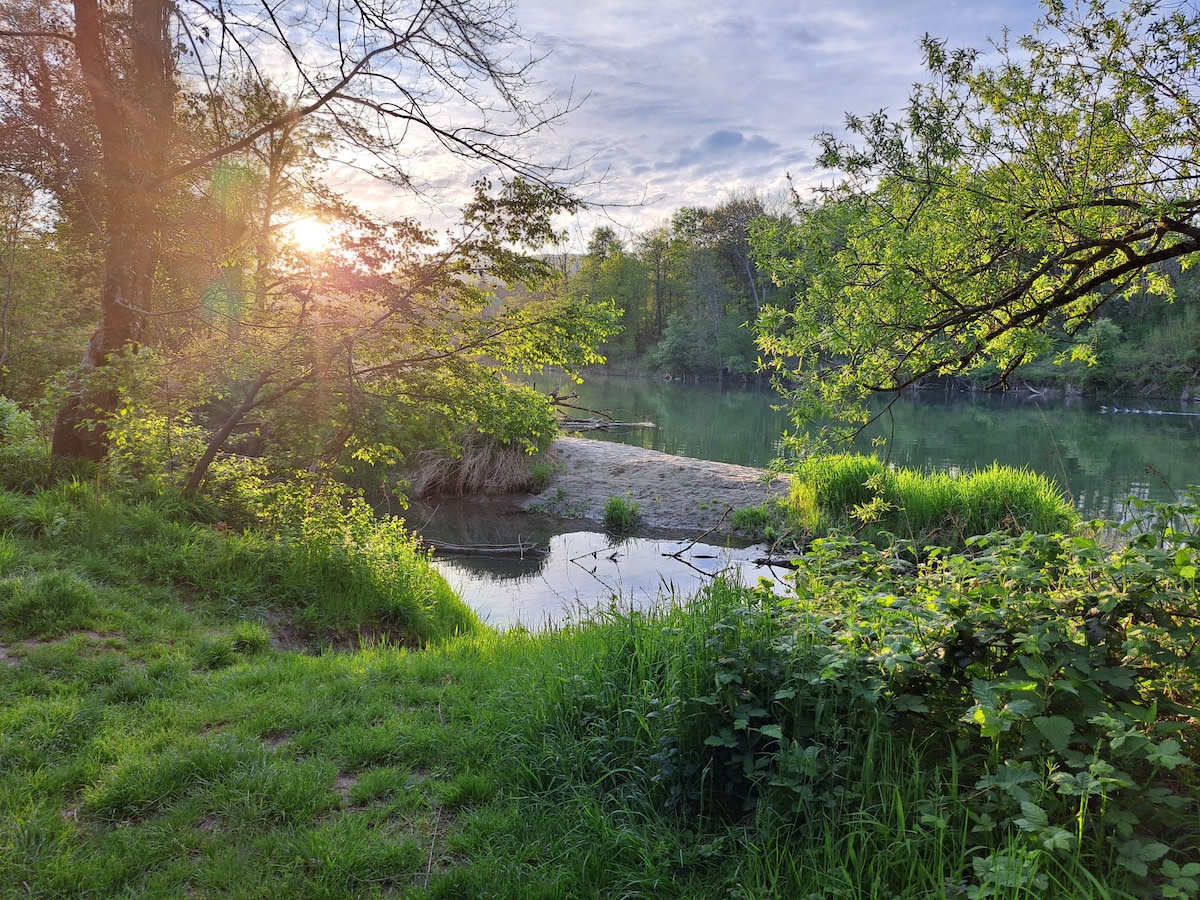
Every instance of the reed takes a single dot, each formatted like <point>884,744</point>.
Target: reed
<point>482,466</point>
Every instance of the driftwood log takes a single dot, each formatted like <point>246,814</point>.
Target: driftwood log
<point>570,424</point>
<point>520,550</point>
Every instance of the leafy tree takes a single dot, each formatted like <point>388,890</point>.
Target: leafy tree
<point>371,75</point>
<point>389,341</point>
<point>659,254</point>
<point>38,329</point>
<point>609,273</point>
<point>1005,206</point>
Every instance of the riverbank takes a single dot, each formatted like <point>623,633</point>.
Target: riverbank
<point>672,492</point>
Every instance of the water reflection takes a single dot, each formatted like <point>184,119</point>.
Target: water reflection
<point>1099,458</point>
<point>586,569</point>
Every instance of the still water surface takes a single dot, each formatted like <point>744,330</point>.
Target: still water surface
<point>1099,457</point>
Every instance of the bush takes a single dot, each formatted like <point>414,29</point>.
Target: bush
<point>1022,712</point>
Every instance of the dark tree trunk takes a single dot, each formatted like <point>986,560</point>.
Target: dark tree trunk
<point>133,95</point>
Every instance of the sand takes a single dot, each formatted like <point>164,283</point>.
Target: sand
<point>672,492</point>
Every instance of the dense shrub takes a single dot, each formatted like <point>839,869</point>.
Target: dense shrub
<point>1031,698</point>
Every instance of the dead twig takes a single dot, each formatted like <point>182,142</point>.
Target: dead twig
<point>678,554</point>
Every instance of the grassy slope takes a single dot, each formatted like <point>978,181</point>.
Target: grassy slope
<point>174,721</point>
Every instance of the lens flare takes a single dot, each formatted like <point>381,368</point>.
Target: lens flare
<point>309,235</point>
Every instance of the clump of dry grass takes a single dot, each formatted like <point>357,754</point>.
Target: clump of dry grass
<point>483,467</point>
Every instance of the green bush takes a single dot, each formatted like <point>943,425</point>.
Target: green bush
<point>1023,712</point>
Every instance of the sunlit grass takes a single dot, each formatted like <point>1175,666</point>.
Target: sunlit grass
<point>861,494</point>
<point>176,720</point>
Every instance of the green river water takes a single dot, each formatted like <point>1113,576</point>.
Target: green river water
<point>1099,451</point>
<point>1150,448</point>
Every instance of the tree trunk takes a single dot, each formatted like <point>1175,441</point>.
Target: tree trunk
<point>126,294</point>
<point>134,104</point>
<point>217,441</point>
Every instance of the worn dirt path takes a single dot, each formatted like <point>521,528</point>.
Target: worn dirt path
<point>672,492</point>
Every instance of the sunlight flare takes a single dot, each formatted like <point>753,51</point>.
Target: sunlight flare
<point>309,235</point>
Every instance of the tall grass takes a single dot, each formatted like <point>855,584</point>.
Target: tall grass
<point>858,493</point>
<point>480,465</point>
<point>761,761</point>
<point>336,572</point>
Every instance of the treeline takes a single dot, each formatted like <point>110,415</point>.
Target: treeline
<point>690,291</point>
<point>686,289</point>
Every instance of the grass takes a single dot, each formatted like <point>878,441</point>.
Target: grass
<point>303,711</point>
<point>851,492</point>
<point>621,515</point>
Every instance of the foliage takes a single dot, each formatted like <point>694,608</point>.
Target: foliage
<point>311,549</point>
<point>398,353</point>
<point>478,466</point>
<point>25,461</point>
<point>862,494</point>
<point>1165,355</point>
<point>765,522</point>
<point>1003,208</point>
<point>621,515</point>
<point>1033,698</point>
<point>1015,719</point>
<point>698,347</point>
<point>686,288</point>
<point>195,162</point>
<point>42,319</point>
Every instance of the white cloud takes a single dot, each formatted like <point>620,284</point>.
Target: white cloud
<point>688,101</point>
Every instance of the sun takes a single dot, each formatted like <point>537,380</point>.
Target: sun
<point>309,235</point>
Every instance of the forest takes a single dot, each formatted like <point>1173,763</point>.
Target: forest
<point>690,292</point>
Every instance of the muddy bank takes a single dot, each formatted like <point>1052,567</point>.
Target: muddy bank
<point>672,492</point>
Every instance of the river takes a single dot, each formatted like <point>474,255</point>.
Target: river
<point>1100,452</point>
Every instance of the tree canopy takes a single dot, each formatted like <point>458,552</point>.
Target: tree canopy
<point>997,213</point>
<point>134,115</point>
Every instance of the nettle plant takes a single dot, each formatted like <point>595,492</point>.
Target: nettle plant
<point>1064,674</point>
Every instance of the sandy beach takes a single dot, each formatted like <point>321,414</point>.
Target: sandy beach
<point>672,492</point>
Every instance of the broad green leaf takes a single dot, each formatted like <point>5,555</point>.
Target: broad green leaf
<point>1057,730</point>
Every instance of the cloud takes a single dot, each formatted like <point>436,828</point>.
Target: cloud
<point>727,146</point>
<point>689,100</point>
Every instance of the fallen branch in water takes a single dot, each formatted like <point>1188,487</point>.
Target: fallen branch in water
<point>520,550</point>
<point>599,424</point>
<point>678,554</point>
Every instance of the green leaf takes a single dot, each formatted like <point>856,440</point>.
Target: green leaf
<point>1034,667</point>
<point>910,703</point>
<point>1167,755</point>
<point>1034,818</point>
<point>724,739</point>
<point>1056,730</point>
<point>1055,838</point>
<point>1135,854</point>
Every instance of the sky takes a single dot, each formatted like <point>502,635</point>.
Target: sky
<point>689,102</point>
<point>685,102</point>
